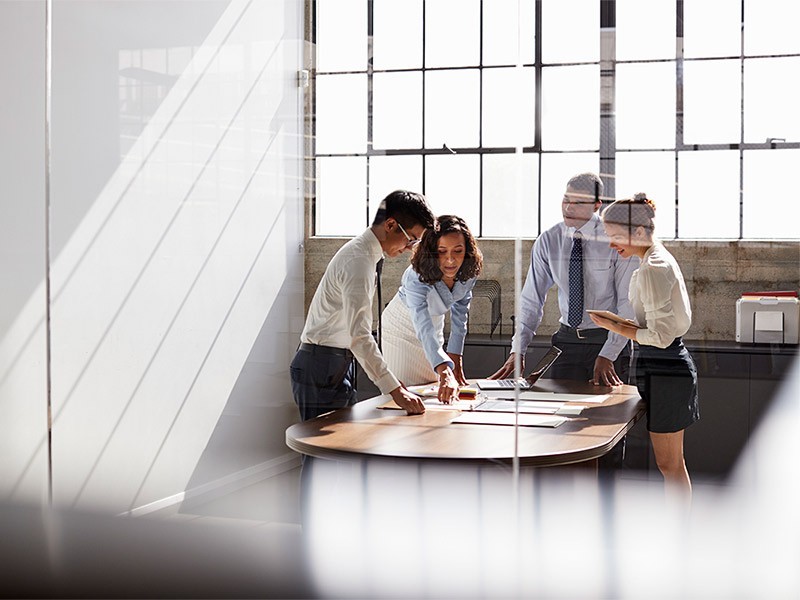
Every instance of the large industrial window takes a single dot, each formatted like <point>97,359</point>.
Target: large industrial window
<point>690,101</point>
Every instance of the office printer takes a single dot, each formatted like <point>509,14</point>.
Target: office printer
<point>768,318</point>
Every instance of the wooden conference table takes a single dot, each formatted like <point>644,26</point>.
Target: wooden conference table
<point>364,431</point>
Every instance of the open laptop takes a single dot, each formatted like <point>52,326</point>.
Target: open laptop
<point>508,384</point>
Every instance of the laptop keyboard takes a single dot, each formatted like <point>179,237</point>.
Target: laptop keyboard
<point>511,383</point>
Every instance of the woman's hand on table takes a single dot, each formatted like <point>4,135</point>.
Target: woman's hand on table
<point>458,369</point>
<point>448,385</point>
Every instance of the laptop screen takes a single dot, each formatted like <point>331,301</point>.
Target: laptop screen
<point>503,384</point>
<point>547,360</point>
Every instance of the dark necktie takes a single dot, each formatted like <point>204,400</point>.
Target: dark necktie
<point>575,315</point>
<point>378,271</point>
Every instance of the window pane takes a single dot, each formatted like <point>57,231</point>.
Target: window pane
<point>451,186</point>
<point>397,34</point>
<point>645,30</point>
<point>341,35</point>
<point>341,113</point>
<point>570,31</point>
<point>570,108</point>
<point>770,99</point>
<point>712,106</point>
<point>507,210</point>
<point>504,22</point>
<point>770,27</point>
<point>654,174</point>
<point>389,173</point>
<point>708,207</point>
<point>452,33</point>
<point>509,96</point>
<point>770,196</point>
<point>646,105</point>
<point>557,169</point>
<point>701,17</point>
<point>397,110</point>
<point>452,108</point>
<point>341,194</point>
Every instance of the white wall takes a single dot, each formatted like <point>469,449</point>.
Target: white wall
<point>23,398</point>
<point>176,219</point>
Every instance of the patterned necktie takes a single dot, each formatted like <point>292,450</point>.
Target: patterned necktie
<point>378,271</point>
<point>575,315</point>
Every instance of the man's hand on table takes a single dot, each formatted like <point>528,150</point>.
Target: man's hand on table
<point>409,402</point>
<point>507,370</point>
<point>604,373</point>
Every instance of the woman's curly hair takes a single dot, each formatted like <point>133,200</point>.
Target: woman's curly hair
<point>426,255</point>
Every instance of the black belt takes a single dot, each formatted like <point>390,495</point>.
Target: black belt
<point>317,349</point>
<point>591,332</point>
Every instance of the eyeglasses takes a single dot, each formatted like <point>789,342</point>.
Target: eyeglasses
<point>410,242</point>
<point>576,199</point>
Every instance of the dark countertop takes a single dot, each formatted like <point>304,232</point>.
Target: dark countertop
<point>723,346</point>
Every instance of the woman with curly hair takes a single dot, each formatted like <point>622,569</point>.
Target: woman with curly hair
<point>442,274</point>
<point>665,372</point>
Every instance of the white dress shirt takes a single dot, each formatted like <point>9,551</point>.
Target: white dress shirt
<point>606,278</point>
<point>340,314</point>
<point>425,301</point>
<point>659,298</point>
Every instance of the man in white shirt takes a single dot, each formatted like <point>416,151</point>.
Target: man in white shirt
<point>575,256</point>
<point>339,323</point>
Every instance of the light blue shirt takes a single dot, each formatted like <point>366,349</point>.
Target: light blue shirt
<point>606,278</point>
<point>425,301</point>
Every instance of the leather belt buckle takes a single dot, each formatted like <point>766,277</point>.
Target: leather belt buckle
<point>318,349</point>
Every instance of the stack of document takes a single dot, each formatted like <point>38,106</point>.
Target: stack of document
<point>504,418</point>
<point>431,390</point>
<point>542,408</point>
<point>547,397</point>
<point>502,403</point>
<point>460,404</point>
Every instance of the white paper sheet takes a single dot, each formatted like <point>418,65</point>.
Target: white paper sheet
<point>527,407</point>
<point>548,397</point>
<point>504,418</point>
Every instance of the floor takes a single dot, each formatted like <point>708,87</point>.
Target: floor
<point>275,502</point>
<point>269,511</point>
<point>272,502</point>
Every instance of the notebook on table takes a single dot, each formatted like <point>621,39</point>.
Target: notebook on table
<point>509,384</point>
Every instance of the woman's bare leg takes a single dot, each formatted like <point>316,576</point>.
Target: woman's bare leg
<point>668,448</point>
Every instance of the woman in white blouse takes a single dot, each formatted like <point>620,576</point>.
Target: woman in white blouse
<point>665,372</point>
<point>440,279</point>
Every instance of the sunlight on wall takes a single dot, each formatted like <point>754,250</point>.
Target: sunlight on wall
<point>160,292</point>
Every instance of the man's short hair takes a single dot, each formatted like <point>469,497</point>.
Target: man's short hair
<point>589,183</point>
<point>407,208</point>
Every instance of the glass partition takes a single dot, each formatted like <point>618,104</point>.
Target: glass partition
<point>23,340</point>
<point>178,175</point>
<point>154,286</point>
<point>489,115</point>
